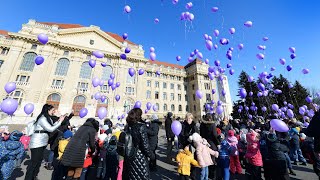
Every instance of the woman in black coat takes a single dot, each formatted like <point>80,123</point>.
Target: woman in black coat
<point>137,167</point>
<point>75,152</point>
<point>188,128</point>
<point>152,131</point>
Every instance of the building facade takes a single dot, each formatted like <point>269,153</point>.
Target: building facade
<point>64,79</point>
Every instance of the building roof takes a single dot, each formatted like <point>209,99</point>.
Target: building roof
<point>3,32</point>
<point>166,64</point>
<point>70,26</point>
<point>196,61</point>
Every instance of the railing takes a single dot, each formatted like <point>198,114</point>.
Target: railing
<point>5,41</point>
<point>129,93</point>
<point>82,90</point>
<point>20,83</point>
<point>56,87</point>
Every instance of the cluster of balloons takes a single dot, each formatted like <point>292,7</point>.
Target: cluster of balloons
<point>187,16</point>
<point>153,55</point>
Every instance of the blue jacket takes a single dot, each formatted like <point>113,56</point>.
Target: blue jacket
<point>225,149</point>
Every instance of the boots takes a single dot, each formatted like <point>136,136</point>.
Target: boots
<point>291,172</point>
<point>49,166</point>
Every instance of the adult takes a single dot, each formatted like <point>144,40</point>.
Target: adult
<point>75,152</point>
<point>169,134</point>
<point>108,122</point>
<point>208,131</point>
<point>225,126</point>
<point>188,128</point>
<point>152,132</point>
<point>39,139</point>
<point>137,167</point>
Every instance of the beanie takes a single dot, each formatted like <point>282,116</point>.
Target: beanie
<point>230,133</point>
<point>67,134</point>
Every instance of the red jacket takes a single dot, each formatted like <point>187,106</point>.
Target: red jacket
<point>88,160</point>
<point>253,149</point>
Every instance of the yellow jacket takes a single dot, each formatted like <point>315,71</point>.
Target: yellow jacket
<point>185,159</point>
<point>62,146</point>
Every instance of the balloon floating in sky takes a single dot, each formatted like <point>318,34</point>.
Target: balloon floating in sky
<point>117,97</point>
<point>189,5</point>
<point>265,38</point>
<point>103,64</point>
<point>175,2</point>
<point>28,108</point>
<point>206,61</point>
<point>127,50</point>
<point>141,71</point>
<point>260,56</point>
<point>216,32</point>
<point>95,81</point>
<point>153,56</point>
<point>43,38</point>
<point>209,45</point>
<point>127,9</point>
<point>156,20</point>
<point>125,36</point>
<point>39,60</point>
<point>309,99</point>
<point>292,56</point>
<point>289,68</point>
<point>282,61</point>
<point>292,49</point>
<point>243,93</point>
<point>131,72</point>
<point>92,63</point>
<point>9,106</point>
<point>178,58</point>
<point>214,9</point>
<point>83,112</point>
<point>248,24</point>
<point>240,46</point>
<point>305,71</point>
<point>102,112</point>
<point>231,71</point>
<point>232,30</point>
<point>199,94</point>
<point>10,87</point>
<point>224,41</point>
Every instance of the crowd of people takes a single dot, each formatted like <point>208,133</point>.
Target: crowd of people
<point>206,148</point>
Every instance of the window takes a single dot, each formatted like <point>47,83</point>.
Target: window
<point>1,63</point>
<point>106,73</point>
<point>194,108</point>
<point>179,78</point>
<point>192,86</point>
<point>148,94</point>
<point>172,96</point>
<point>82,86</point>
<point>62,67</point>
<point>157,106</point>
<point>165,85</point>
<point>28,62</point>
<point>66,53</point>
<point>157,84</point>
<point>187,108</point>
<point>179,87</point>
<point>185,88</point>
<point>4,51</point>
<point>164,96</point>
<point>149,74</point>
<point>128,105</point>
<point>172,77</point>
<point>85,71</point>
<point>180,108</point>
<point>208,97</point>
<point>165,76</point>
<point>17,95</point>
<point>172,107</point>
<point>104,88</point>
<point>165,108</point>
<point>206,77</point>
<point>156,95</point>
<point>186,97</point>
<point>57,83</point>
<point>179,97</point>
<point>34,47</point>
<point>148,83</point>
<point>130,80</point>
<point>206,86</point>
<point>171,86</point>
<point>130,90</point>
<point>22,78</point>
<point>194,97</point>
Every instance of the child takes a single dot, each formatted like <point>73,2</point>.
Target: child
<point>184,160</point>
<point>224,160</point>
<point>253,156</point>
<point>112,160</point>
<point>295,151</point>
<point>102,138</point>
<point>116,132</point>
<point>235,165</point>
<point>12,149</point>
<point>86,164</point>
<point>203,154</point>
<point>242,145</point>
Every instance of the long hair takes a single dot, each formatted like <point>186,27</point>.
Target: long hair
<point>134,116</point>
<point>44,112</point>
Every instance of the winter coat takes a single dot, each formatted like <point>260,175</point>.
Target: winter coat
<point>75,151</point>
<point>137,167</point>
<point>208,131</point>
<point>276,150</point>
<point>204,153</point>
<point>62,146</point>
<point>313,130</point>
<point>152,132</point>
<point>169,132</point>
<point>12,150</point>
<point>184,160</point>
<point>253,149</point>
<point>187,130</point>
<point>294,142</point>
<point>25,140</point>
<point>233,141</point>
<point>225,149</point>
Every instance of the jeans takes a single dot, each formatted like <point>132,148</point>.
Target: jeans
<point>296,155</point>
<point>288,161</point>
<point>83,174</point>
<point>205,173</point>
<point>34,166</point>
<point>224,164</point>
<point>51,156</point>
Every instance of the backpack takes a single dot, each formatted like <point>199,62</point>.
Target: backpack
<point>125,146</point>
<point>30,128</point>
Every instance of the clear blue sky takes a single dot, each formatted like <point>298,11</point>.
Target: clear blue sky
<point>286,23</point>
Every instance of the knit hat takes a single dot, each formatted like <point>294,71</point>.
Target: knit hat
<point>67,134</point>
<point>154,117</point>
<point>231,133</point>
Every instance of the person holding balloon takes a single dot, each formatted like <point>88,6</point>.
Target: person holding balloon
<point>169,135</point>
<point>39,139</point>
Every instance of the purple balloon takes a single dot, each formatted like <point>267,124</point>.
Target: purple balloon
<point>214,9</point>
<point>113,87</point>
<point>39,60</point>
<point>148,105</point>
<point>279,125</point>
<point>254,67</point>
<point>102,112</point>
<point>83,112</point>
<point>229,65</point>
<point>275,107</point>
<point>209,45</point>
<point>302,110</point>
<point>216,32</point>
<point>305,71</point>
<point>43,38</point>
<point>272,69</point>
<point>311,113</point>
<point>101,83</point>
<point>97,95</point>
<point>261,47</point>
<point>265,38</point>
<point>292,49</point>
<point>292,56</point>
<point>224,41</point>
<point>240,46</point>
<point>103,98</point>
<point>277,91</point>
<point>261,86</point>
<point>290,86</point>
<point>309,99</point>
<point>110,82</point>
<point>175,2</point>
<point>28,108</point>
<point>153,56</point>
<point>141,71</point>
<point>260,56</point>
<point>213,91</point>
<point>206,61</point>
<point>206,37</point>
<point>95,81</point>
<point>243,93</point>
<point>123,56</point>
<point>200,56</point>
<point>92,63</point>
<point>215,46</point>
<point>152,49</point>
<point>178,58</point>
<point>264,109</point>
<point>9,106</point>
<point>112,76</point>
<point>259,94</point>
<point>155,108</point>
<point>250,79</point>
<point>229,56</point>
<point>199,94</point>
<point>282,61</point>
<point>98,54</point>
<point>231,71</point>
<point>190,59</point>
<point>156,20</point>
<point>125,36</point>
<point>137,104</point>
<point>189,5</point>
<point>219,110</point>
<point>131,72</point>
<point>127,50</point>
<point>117,97</point>
<point>248,24</point>
<point>290,113</point>
<point>117,84</point>
<point>103,64</point>
<point>127,9</point>
<point>217,62</point>
<point>176,127</point>
<point>158,73</point>
<point>232,30</point>
<point>250,93</point>
<point>289,68</point>
<point>10,87</point>
<point>211,69</point>
<point>250,116</point>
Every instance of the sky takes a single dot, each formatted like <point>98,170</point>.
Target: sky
<point>287,23</point>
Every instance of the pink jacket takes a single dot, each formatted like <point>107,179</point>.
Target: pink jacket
<point>253,149</point>
<point>25,141</point>
<point>204,153</point>
<point>233,141</point>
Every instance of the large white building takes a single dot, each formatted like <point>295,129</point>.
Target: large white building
<point>64,79</point>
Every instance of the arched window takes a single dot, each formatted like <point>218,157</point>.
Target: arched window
<point>85,71</point>
<point>106,73</point>
<point>180,108</point>
<point>172,107</point>
<point>28,61</point>
<point>165,108</point>
<point>78,103</point>
<point>79,99</point>
<point>128,105</point>
<point>62,67</point>
<point>17,95</point>
<point>54,100</point>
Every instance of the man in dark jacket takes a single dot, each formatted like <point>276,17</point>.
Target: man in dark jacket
<point>152,132</point>
<point>169,134</point>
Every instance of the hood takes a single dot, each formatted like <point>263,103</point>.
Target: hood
<point>251,137</point>
<point>169,115</point>
<point>187,152</point>
<point>232,139</point>
<point>92,123</point>
<point>15,136</point>
<point>13,145</point>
